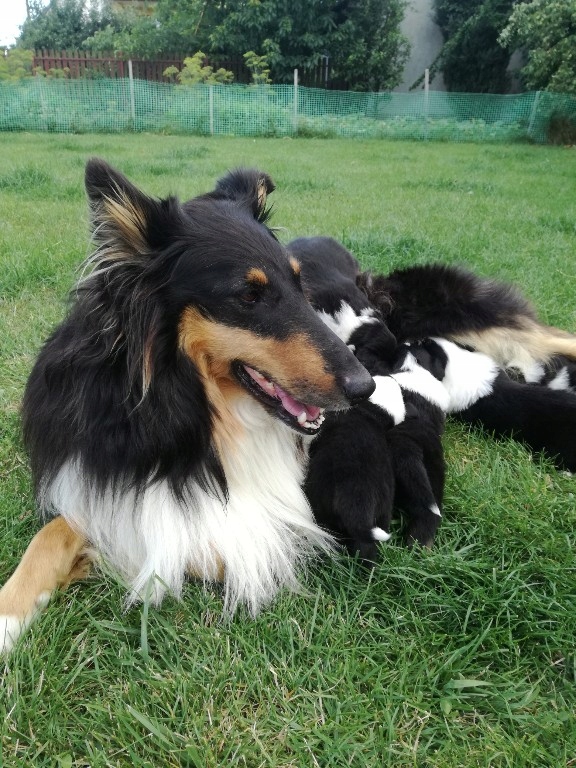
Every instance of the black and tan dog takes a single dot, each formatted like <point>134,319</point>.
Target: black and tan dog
<point>164,415</point>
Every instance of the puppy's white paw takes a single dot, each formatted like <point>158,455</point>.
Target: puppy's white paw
<point>379,534</point>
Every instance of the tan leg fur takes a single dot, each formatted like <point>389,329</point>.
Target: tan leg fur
<point>520,347</point>
<point>55,557</point>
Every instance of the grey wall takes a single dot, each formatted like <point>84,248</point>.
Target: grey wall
<point>425,40</point>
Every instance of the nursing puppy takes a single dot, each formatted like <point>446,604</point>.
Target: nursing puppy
<point>388,450</point>
<point>385,452</point>
<point>480,313</point>
<point>481,393</point>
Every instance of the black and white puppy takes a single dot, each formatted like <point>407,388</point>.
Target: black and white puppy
<point>416,445</point>
<point>558,373</point>
<point>480,392</point>
<point>389,448</point>
<point>350,482</point>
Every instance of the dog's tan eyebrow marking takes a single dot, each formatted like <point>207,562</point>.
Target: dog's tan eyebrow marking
<point>256,275</point>
<point>295,264</point>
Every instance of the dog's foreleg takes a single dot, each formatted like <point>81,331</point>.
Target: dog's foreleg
<point>56,556</point>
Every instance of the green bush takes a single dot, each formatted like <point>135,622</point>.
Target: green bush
<point>16,64</point>
<point>195,72</point>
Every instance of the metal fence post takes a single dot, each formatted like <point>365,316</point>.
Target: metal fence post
<point>132,99</point>
<point>211,108</point>
<point>295,101</point>
<point>426,101</point>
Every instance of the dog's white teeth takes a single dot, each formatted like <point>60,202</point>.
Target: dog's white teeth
<point>316,424</point>
<point>267,386</point>
<point>302,419</point>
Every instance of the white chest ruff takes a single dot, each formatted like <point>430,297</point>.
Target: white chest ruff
<point>260,537</point>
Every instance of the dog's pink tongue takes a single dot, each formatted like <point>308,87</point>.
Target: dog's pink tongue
<point>294,407</point>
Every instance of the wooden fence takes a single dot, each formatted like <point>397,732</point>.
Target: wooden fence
<point>88,64</point>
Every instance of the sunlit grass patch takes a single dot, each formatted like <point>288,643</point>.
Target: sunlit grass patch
<point>458,656</point>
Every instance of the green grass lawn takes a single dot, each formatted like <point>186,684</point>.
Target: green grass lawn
<point>461,656</point>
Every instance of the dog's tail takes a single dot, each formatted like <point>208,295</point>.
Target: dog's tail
<point>520,346</point>
<point>56,556</point>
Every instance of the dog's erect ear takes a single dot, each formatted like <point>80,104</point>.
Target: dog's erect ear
<point>125,220</point>
<point>248,187</point>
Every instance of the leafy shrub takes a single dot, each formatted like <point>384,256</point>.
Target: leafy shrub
<point>16,64</point>
<point>562,129</point>
<point>259,67</point>
<point>195,72</point>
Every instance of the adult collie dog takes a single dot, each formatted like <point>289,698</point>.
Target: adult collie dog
<point>163,417</point>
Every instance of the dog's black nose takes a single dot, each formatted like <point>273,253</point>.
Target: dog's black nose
<point>358,386</point>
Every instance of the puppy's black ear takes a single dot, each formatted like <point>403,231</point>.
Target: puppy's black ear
<point>126,223</point>
<point>375,346</point>
<point>247,186</point>
<point>377,290</point>
<point>431,356</point>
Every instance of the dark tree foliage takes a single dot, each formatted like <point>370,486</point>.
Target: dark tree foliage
<point>472,60</point>
<point>63,24</point>
<point>360,38</point>
<point>546,31</point>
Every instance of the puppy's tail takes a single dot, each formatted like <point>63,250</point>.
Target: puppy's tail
<point>56,556</point>
<point>521,346</point>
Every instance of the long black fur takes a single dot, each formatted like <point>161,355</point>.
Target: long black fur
<point>350,482</point>
<point>440,300</point>
<point>87,398</point>
<point>543,418</point>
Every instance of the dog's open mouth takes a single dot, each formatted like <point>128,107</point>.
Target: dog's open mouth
<point>301,417</point>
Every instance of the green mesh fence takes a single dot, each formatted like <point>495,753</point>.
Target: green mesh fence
<point>79,106</point>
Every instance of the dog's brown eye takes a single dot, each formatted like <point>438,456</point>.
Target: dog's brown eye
<point>250,296</point>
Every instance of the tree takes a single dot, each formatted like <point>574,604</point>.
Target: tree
<point>546,30</point>
<point>16,64</point>
<point>472,60</point>
<point>361,38</point>
<point>174,26</point>
<point>369,49</point>
<point>290,34</point>
<point>63,23</point>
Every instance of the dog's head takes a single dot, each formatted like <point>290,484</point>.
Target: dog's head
<point>208,281</point>
<point>329,273</point>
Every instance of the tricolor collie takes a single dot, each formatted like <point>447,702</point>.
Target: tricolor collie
<point>164,416</point>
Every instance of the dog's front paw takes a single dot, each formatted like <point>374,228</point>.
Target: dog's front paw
<point>11,628</point>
